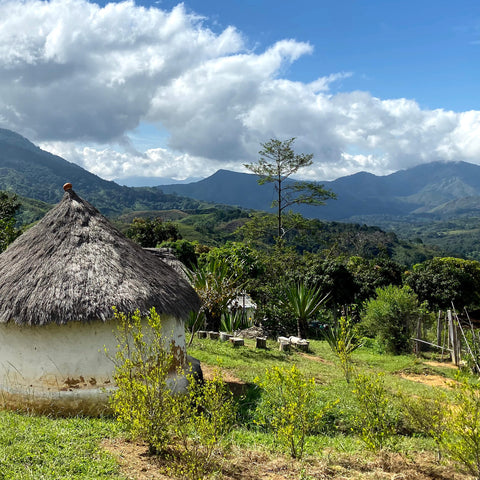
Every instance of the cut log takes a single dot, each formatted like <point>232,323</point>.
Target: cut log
<point>261,342</point>
<point>213,335</point>
<point>202,334</point>
<point>284,346</point>
<point>237,341</point>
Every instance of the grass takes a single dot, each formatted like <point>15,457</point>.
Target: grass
<point>39,447</point>
<point>322,365</point>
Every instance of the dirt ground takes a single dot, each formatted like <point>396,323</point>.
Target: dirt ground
<point>429,378</point>
<point>137,464</point>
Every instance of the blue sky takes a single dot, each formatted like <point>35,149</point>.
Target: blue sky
<point>162,89</point>
<point>427,50</point>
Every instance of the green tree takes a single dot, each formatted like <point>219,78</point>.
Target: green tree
<point>277,163</point>
<point>9,206</point>
<point>392,317</point>
<point>281,267</point>
<point>330,275</point>
<point>184,250</point>
<point>441,281</point>
<point>370,274</point>
<point>243,260</point>
<point>150,233</point>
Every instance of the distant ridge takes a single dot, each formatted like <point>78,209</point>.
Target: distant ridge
<point>430,189</point>
<point>437,190</point>
<point>34,173</point>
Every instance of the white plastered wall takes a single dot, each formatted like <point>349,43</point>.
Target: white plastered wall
<point>64,363</point>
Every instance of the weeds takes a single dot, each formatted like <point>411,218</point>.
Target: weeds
<point>342,340</point>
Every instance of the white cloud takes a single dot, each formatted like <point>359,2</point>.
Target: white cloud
<point>80,79</point>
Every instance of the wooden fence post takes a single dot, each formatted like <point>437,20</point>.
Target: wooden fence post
<point>439,328</point>
<point>419,336</point>
<point>453,338</point>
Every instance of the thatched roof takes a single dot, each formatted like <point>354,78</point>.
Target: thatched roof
<point>74,265</point>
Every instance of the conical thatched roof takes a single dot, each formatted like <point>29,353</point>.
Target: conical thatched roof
<point>74,266</point>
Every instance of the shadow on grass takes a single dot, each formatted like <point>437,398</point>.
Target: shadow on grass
<point>247,404</point>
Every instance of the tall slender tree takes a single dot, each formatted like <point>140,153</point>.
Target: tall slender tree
<point>277,163</point>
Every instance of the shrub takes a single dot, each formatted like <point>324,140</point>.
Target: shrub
<point>289,407</point>
<point>203,418</point>
<point>426,416</point>
<point>392,317</point>
<point>186,428</point>
<point>303,302</point>
<point>142,401</point>
<point>461,437</point>
<point>235,319</point>
<point>342,340</point>
<point>375,414</point>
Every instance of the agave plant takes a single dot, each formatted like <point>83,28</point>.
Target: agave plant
<point>233,321</point>
<point>303,302</point>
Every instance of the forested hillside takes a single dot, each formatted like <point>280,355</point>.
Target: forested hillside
<point>34,173</point>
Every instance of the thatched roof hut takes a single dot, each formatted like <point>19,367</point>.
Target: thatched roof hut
<point>74,265</point>
<point>59,282</point>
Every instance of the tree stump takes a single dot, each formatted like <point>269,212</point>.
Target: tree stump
<point>303,346</point>
<point>237,341</point>
<point>202,334</point>
<point>225,337</point>
<point>213,335</point>
<point>284,346</point>
<point>300,343</point>
<point>261,342</point>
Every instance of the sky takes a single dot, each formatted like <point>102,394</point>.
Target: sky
<point>180,90</point>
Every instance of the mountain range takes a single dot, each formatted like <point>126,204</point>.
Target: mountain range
<point>31,172</point>
<point>436,190</point>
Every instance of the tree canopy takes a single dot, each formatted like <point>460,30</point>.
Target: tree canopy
<point>9,206</point>
<point>150,233</point>
<point>447,280</point>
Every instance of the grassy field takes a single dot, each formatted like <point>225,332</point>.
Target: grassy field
<point>36,447</point>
